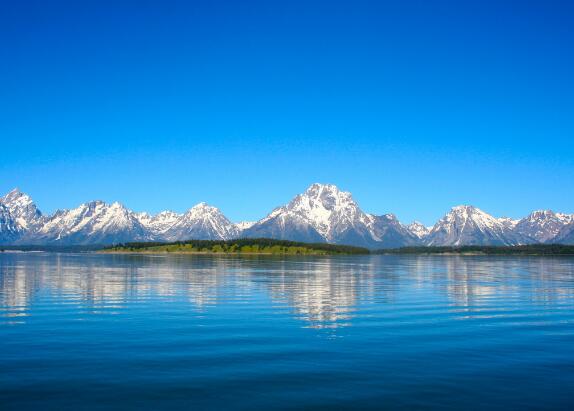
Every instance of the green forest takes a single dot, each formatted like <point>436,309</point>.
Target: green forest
<point>270,246</point>
<point>240,246</point>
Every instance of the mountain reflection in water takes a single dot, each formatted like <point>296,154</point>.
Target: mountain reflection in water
<point>322,292</point>
<point>94,331</point>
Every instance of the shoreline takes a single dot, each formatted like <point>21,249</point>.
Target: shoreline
<point>157,252</point>
<point>227,254</point>
<point>446,254</point>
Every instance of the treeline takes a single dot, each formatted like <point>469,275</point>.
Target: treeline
<point>532,249</point>
<point>244,245</point>
<point>270,246</point>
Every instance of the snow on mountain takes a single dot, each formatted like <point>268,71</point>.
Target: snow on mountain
<point>543,225</point>
<point>388,232</point>
<point>310,216</point>
<point>91,223</point>
<point>9,230</point>
<point>418,229</point>
<point>323,213</point>
<point>144,218</point>
<point>24,212</point>
<point>565,235</point>
<point>200,222</point>
<point>159,223</point>
<point>508,222</point>
<point>468,225</point>
<point>99,223</point>
<point>244,225</point>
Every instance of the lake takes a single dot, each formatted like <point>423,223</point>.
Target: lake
<point>93,331</point>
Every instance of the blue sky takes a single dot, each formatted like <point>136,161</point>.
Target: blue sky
<point>413,106</point>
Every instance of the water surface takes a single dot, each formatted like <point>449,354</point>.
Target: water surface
<point>90,331</point>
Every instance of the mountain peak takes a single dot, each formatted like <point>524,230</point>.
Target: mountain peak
<point>202,221</point>
<point>15,190</point>
<point>541,211</point>
<point>541,214</point>
<point>324,213</point>
<point>418,229</point>
<point>469,225</point>
<point>543,225</point>
<point>203,207</point>
<point>464,208</point>
<point>93,205</point>
<point>16,195</point>
<point>315,187</point>
<point>471,212</point>
<point>549,214</point>
<point>327,196</point>
<point>22,209</point>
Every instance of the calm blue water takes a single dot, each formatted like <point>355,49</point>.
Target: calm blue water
<point>364,332</point>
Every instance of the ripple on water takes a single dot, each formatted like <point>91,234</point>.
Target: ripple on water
<point>398,332</point>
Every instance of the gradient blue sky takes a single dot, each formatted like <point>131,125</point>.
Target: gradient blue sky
<point>413,106</point>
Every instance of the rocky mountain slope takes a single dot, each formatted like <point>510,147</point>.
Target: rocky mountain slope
<point>543,225</point>
<point>565,235</point>
<point>91,223</point>
<point>201,222</point>
<point>24,213</point>
<point>468,225</point>
<point>323,213</point>
<point>418,229</point>
<point>9,231</point>
<point>160,223</point>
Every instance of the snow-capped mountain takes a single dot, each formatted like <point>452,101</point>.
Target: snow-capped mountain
<point>468,225</point>
<point>9,231</point>
<point>418,229</point>
<point>99,223</point>
<point>323,213</point>
<point>244,225</point>
<point>508,223</point>
<point>543,225</point>
<point>201,222</point>
<point>158,224</point>
<point>22,209</point>
<point>314,216</point>
<point>565,235</point>
<point>389,232</point>
<point>91,223</point>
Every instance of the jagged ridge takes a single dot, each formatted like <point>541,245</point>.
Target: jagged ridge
<point>323,213</point>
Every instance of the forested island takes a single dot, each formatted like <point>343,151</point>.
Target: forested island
<point>239,246</point>
<point>285,247</point>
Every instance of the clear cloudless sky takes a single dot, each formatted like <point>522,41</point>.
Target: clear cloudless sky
<point>413,106</point>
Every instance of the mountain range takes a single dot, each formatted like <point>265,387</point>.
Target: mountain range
<point>322,213</point>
